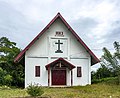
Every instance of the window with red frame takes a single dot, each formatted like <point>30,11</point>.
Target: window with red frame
<point>79,72</point>
<point>37,71</point>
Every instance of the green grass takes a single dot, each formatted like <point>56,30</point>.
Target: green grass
<point>99,90</point>
<point>9,93</point>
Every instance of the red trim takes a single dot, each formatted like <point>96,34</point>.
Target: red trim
<point>79,72</point>
<point>48,76</point>
<point>71,66</point>
<point>37,71</point>
<point>21,54</point>
<point>71,78</point>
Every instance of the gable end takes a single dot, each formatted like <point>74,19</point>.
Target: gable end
<point>58,16</point>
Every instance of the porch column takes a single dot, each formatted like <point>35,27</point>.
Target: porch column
<point>48,76</point>
<point>71,78</point>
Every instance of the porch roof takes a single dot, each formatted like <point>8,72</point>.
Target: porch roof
<point>63,61</point>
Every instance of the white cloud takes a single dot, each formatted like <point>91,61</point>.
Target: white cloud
<point>93,19</point>
<point>105,12</point>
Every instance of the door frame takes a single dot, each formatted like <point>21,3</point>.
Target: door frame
<point>65,76</point>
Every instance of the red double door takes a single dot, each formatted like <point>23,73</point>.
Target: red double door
<point>58,77</point>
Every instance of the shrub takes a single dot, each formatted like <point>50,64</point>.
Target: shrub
<point>5,79</point>
<point>2,74</point>
<point>109,80</point>
<point>35,90</point>
<point>8,79</point>
<point>4,87</point>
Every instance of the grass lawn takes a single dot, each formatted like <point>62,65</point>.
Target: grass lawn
<point>90,91</point>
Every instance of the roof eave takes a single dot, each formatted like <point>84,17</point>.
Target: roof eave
<point>21,54</point>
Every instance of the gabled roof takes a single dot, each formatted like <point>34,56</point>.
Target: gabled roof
<point>58,16</point>
<point>62,61</point>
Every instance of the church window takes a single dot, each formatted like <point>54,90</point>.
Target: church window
<point>79,72</point>
<point>37,71</point>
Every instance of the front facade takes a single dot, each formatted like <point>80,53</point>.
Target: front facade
<point>57,57</point>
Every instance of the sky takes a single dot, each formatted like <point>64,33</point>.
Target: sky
<point>97,22</point>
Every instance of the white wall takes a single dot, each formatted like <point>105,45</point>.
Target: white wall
<point>41,54</point>
<point>30,71</point>
<point>83,63</point>
<point>68,73</point>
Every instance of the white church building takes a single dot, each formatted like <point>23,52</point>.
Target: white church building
<point>57,56</point>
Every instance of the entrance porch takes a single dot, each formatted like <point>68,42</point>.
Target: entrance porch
<point>58,70</point>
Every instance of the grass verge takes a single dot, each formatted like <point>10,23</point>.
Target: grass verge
<point>100,90</point>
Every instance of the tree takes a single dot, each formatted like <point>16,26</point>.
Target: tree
<point>117,48</point>
<point>15,72</point>
<point>102,72</point>
<point>112,61</point>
